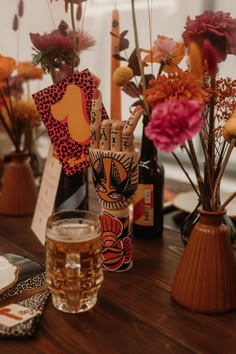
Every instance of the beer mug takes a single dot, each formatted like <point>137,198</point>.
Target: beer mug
<point>73,260</point>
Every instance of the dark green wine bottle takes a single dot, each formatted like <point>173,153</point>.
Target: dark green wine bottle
<point>72,192</point>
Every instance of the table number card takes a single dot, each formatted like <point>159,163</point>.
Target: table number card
<point>65,109</point>
<point>47,195</point>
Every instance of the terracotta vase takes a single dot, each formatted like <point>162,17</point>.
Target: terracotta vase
<point>205,280</point>
<point>19,192</point>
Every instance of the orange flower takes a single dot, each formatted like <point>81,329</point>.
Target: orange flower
<point>24,111</point>
<point>28,71</point>
<point>7,66</point>
<point>165,50</point>
<point>195,60</point>
<point>175,86</point>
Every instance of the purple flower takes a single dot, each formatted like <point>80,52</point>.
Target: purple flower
<point>174,122</point>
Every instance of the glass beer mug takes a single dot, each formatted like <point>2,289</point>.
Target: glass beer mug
<point>73,260</point>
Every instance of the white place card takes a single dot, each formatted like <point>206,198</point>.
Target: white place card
<point>47,195</point>
<point>14,314</point>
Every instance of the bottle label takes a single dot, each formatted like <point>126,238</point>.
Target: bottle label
<point>143,205</point>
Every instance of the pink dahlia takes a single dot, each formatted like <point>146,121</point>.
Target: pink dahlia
<point>174,122</point>
<point>217,27</point>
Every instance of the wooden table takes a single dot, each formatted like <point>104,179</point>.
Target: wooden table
<point>134,313</point>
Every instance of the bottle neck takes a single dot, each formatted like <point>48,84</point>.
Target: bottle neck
<point>148,150</point>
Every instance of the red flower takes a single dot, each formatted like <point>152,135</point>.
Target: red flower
<point>52,40</point>
<point>116,252</point>
<point>217,27</point>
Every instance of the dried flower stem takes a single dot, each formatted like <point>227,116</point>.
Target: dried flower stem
<point>203,145</point>
<point>221,172</point>
<point>83,18</point>
<point>10,113</point>
<point>8,131</point>
<point>138,53</point>
<point>220,159</point>
<point>186,173</point>
<point>227,201</point>
<point>52,71</point>
<point>72,15</point>
<point>150,33</point>
<point>7,107</point>
<point>192,156</point>
<point>211,137</point>
<point>206,168</point>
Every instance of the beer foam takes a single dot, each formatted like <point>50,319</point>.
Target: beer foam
<point>74,230</point>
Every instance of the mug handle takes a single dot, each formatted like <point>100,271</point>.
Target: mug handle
<point>72,272</point>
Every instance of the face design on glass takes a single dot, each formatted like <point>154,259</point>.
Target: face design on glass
<point>115,177</point>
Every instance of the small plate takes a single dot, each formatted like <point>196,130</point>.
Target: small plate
<point>188,201</point>
<point>8,273</point>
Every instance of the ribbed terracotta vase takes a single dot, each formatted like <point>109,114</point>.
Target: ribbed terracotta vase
<point>205,280</point>
<point>19,192</point>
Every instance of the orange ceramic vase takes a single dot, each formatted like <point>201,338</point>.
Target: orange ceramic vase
<point>19,192</point>
<point>205,280</point>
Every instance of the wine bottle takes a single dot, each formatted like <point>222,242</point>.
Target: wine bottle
<point>148,200</point>
<point>72,192</point>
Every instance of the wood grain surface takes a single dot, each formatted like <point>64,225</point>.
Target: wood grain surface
<point>134,313</point>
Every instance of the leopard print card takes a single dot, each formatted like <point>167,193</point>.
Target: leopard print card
<point>29,292</point>
<point>65,109</point>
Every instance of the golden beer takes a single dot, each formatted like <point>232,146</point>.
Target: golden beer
<point>73,260</point>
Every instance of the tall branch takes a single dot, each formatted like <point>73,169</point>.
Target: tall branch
<point>139,55</point>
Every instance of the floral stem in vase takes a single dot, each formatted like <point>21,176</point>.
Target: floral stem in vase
<point>223,166</point>
<point>53,73</point>
<point>192,156</point>
<point>186,173</point>
<point>138,54</point>
<point>7,130</point>
<point>12,133</point>
<point>72,15</point>
<point>210,179</point>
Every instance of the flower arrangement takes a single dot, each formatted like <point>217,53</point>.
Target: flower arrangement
<point>58,52</point>
<point>18,113</point>
<point>189,102</point>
